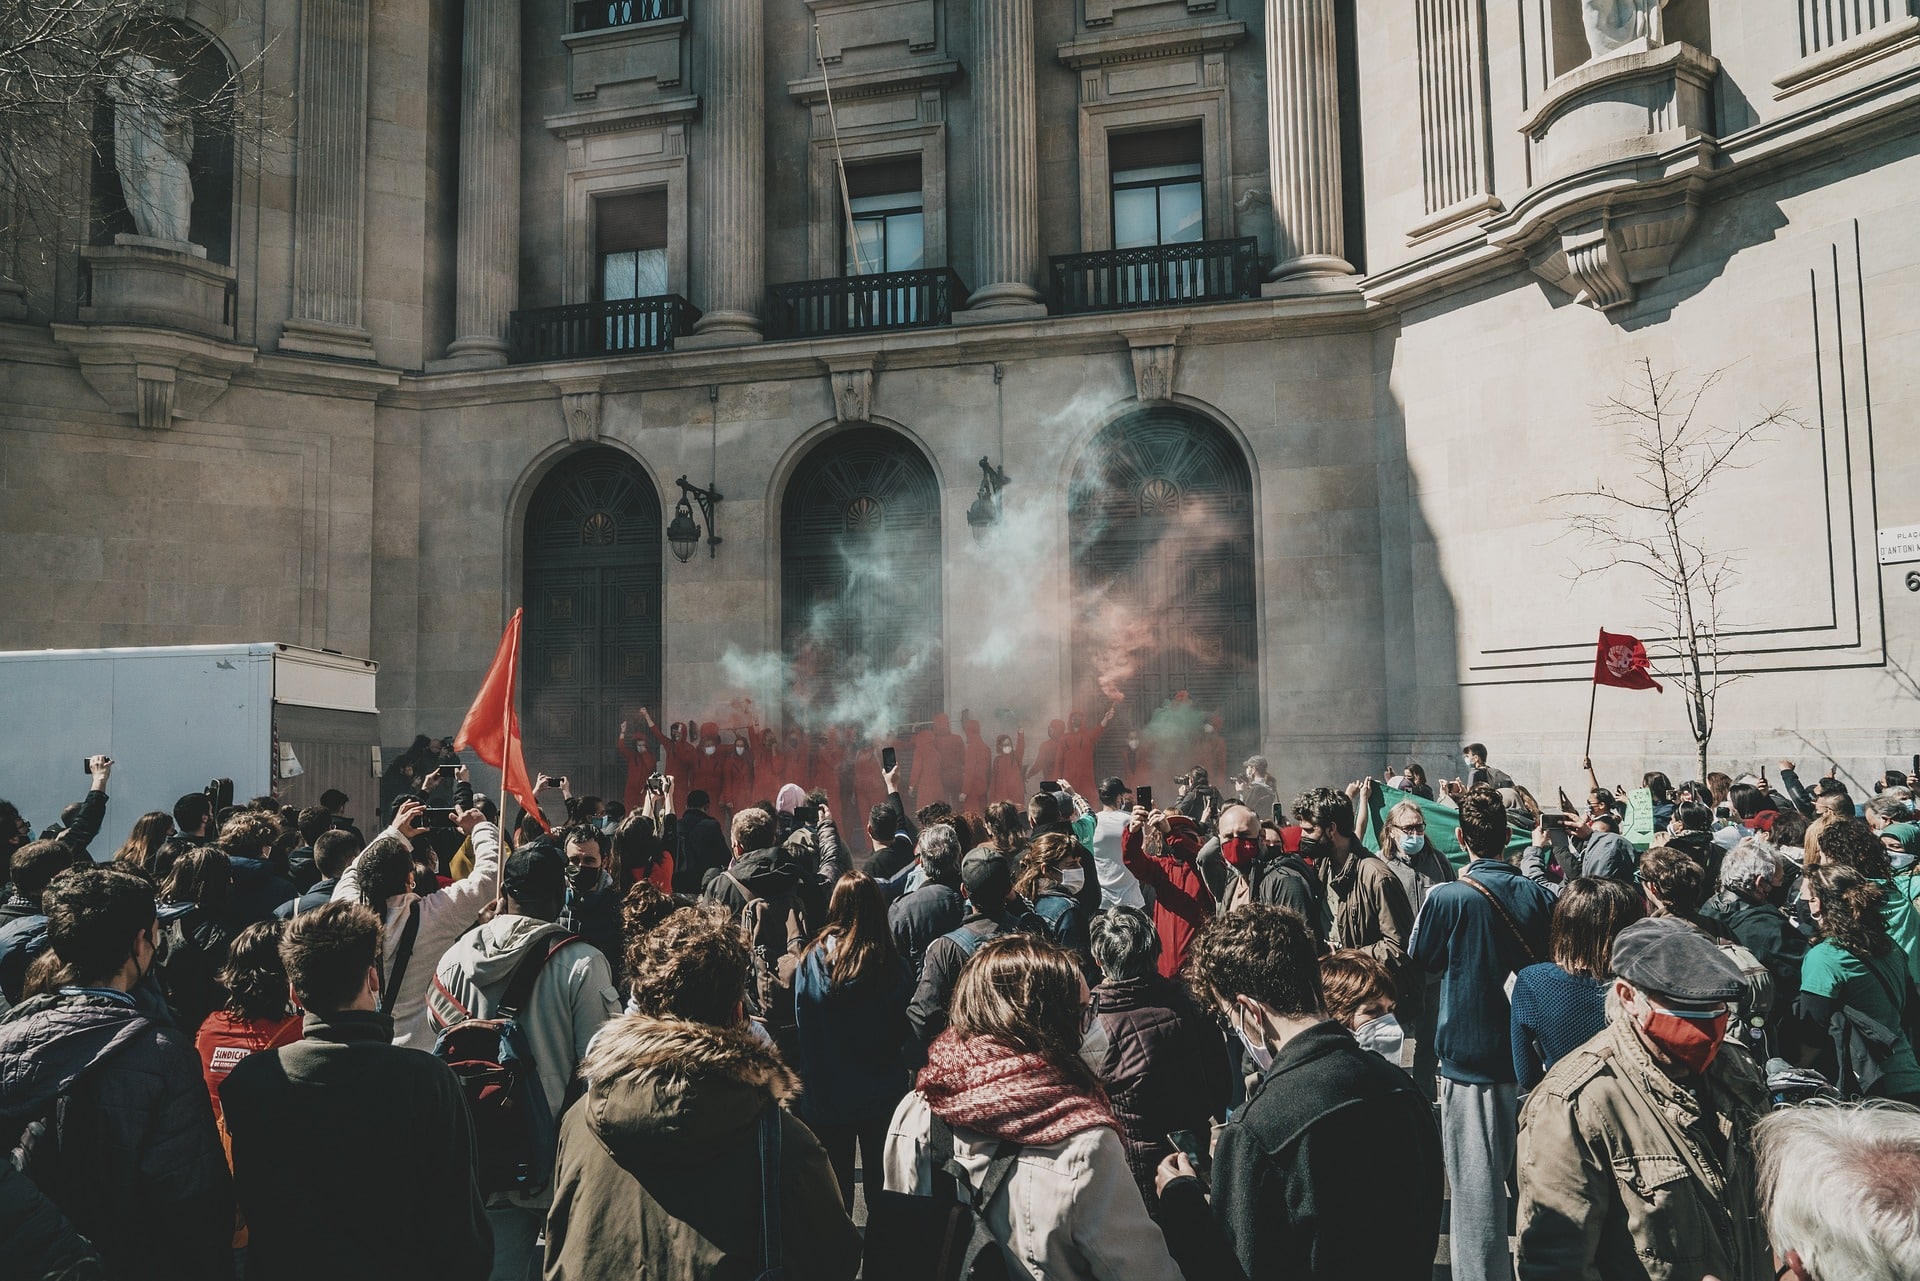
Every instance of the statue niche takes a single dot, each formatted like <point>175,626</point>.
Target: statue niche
<point>153,148</point>
<point>1616,25</point>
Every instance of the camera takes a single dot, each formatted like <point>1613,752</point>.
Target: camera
<point>806,815</point>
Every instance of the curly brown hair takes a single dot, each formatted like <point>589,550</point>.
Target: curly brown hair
<point>254,976</point>
<point>1484,829</point>
<point>692,966</point>
<point>249,834</point>
<point>1851,843</point>
<point>1350,979</point>
<point>1024,993</point>
<point>1851,914</point>
<point>1674,876</point>
<point>1040,869</point>
<point>1261,951</point>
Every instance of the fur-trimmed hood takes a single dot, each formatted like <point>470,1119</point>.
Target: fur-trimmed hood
<point>655,1084</point>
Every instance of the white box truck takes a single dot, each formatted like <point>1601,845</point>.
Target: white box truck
<point>173,718</point>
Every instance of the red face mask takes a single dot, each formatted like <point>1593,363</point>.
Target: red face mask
<point>1239,851</point>
<point>1692,1040</point>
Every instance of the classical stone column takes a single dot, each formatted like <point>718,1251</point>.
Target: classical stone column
<point>487,266</point>
<point>329,235</point>
<point>1007,207</point>
<point>1303,140</point>
<point>733,107</point>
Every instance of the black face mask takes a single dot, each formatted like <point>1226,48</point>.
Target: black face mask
<point>1314,849</point>
<point>585,880</point>
<point>1778,895</point>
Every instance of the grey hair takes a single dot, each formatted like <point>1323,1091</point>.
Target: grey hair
<point>1890,807</point>
<point>1750,858</point>
<point>1836,1186</point>
<point>1124,943</point>
<point>1257,763</point>
<point>939,851</point>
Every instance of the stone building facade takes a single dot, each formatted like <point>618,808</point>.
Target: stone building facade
<point>1287,322</point>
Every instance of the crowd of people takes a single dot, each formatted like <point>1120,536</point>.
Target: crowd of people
<point>1081,1035</point>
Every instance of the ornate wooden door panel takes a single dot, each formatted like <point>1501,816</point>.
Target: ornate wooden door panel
<point>1161,517</point>
<point>860,571</point>
<point>592,596</point>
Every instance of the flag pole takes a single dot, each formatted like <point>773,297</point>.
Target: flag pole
<point>1592,699</point>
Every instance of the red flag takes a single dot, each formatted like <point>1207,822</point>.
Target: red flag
<point>492,727</point>
<point>1622,661</point>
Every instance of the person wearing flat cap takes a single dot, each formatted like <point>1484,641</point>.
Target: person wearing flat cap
<point>1635,1157</point>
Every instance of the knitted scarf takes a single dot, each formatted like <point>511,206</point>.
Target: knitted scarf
<point>998,1091</point>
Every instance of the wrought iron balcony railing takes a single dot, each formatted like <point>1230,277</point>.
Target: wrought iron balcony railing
<point>594,15</point>
<point>862,304</point>
<point>618,327</point>
<point>1157,276</point>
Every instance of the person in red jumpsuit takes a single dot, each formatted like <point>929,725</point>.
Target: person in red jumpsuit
<point>675,753</point>
<point>639,768</point>
<point>1007,780</point>
<point>708,773</point>
<point>978,758</point>
<point>1077,759</point>
<point>1050,760</point>
<point>739,771</point>
<point>939,756</point>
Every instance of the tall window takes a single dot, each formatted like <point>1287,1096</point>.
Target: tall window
<point>1157,201</point>
<point>889,227</point>
<point>592,15</point>
<point>630,237</point>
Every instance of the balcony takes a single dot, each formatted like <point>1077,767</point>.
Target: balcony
<point>1157,276</point>
<point>864,304</point>
<point>597,15</point>
<point>620,327</point>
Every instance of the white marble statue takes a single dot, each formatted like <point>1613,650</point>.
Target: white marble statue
<point>152,144</point>
<point>1613,24</point>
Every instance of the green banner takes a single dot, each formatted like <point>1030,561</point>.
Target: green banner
<point>1442,820</point>
<point>1638,829</point>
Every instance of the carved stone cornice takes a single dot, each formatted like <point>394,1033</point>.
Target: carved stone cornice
<point>577,124</point>
<point>153,374</point>
<point>905,78</point>
<point>1151,42</point>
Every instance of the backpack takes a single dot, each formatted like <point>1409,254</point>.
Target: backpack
<point>1750,1021</point>
<point>777,932</point>
<point>940,1237</point>
<point>34,1147</point>
<point>514,1131</point>
<point>1862,1044</point>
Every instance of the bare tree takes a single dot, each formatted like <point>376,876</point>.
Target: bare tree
<point>61,62</point>
<point>1648,522</point>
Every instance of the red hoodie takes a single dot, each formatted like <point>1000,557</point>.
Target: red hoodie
<point>1008,780</point>
<point>1078,758</point>
<point>1181,901</point>
<point>979,756</point>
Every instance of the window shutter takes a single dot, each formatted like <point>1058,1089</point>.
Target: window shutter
<point>1156,149</point>
<point>637,220</point>
<point>884,177</point>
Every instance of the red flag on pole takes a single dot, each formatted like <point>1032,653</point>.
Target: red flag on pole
<point>492,727</point>
<point>1621,661</point>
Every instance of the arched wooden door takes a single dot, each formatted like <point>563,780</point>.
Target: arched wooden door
<point>860,616</point>
<point>592,598</point>
<point>1161,525</point>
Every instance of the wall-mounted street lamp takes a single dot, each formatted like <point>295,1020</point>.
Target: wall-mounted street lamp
<point>985,512</point>
<point>683,533</point>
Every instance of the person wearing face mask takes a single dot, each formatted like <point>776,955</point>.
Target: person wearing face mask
<point>144,1178</point>
<point>1637,1147</point>
<point>1136,759</point>
<point>1159,849</point>
<point>1474,757</point>
<point>1256,786</point>
<point>592,902</point>
<point>1369,906</point>
<point>1012,1078</point>
<point>1008,773</point>
<point>1331,1169</point>
<point>1053,878</point>
<point>1751,907</point>
<point>1165,1062</point>
<point>1360,996</point>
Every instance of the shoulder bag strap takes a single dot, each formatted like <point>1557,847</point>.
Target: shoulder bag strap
<point>745,893</point>
<point>770,1189</point>
<point>526,974</point>
<point>1906,985</point>
<point>401,956</point>
<point>1506,916</point>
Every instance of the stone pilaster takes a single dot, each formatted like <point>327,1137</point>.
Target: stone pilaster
<point>1303,140</point>
<point>1007,199</point>
<point>331,167</point>
<point>487,280</point>
<point>733,104</point>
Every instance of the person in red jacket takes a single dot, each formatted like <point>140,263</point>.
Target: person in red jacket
<point>1050,760</point>
<point>1008,775</point>
<point>708,772</point>
<point>1078,756</point>
<point>1181,901</point>
<point>639,767</point>
<point>675,753</point>
<point>978,759</point>
<point>939,757</point>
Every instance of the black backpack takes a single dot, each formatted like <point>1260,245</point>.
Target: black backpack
<point>777,931</point>
<point>940,1237</point>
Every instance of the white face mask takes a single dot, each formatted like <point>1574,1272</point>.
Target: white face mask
<point>1383,1036</point>
<point>1094,1046</point>
<point>1257,1051</point>
<point>708,750</point>
<point>1007,750</point>
<point>1132,741</point>
<point>1412,843</point>
<point>1073,880</point>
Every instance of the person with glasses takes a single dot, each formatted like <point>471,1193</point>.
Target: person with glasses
<point>1635,1155</point>
<point>1332,1168</point>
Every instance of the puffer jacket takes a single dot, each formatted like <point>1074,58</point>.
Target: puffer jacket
<point>1165,1069</point>
<point>1069,1211</point>
<point>1617,1177</point>
<point>445,915</point>
<point>35,1238</point>
<point>659,1170</point>
<point>139,1169</point>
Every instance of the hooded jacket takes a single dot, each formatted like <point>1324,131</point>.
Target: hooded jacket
<point>355,1159</point>
<point>139,1170</point>
<point>1618,1179</point>
<point>445,915</point>
<point>1007,773</point>
<point>571,999</point>
<point>659,1169</point>
<point>973,776</point>
<point>702,849</point>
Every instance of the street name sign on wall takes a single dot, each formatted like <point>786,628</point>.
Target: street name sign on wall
<point>1900,545</point>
